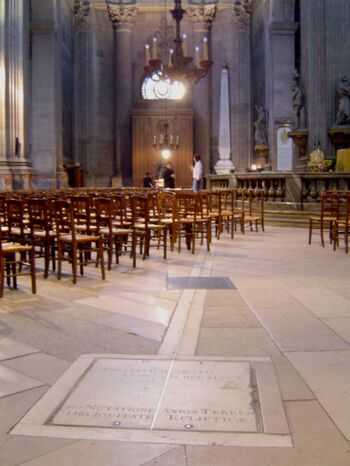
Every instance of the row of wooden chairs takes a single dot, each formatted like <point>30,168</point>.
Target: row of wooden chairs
<point>79,228</point>
<point>332,219</point>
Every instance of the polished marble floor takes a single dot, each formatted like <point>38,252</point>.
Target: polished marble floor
<point>290,310</point>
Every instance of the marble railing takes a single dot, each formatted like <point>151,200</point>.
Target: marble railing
<point>296,188</point>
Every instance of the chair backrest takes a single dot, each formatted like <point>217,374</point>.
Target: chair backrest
<point>256,202</point>
<point>167,206</point>
<point>140,209</point>
<point>330,203</point>
<point>190,205</point>
<point>104,212</point>
<point>15,217</point>
<point>39,215</point>
<point>64,218</point>
<point>81,210</point>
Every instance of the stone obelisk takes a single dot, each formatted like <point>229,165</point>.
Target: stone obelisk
<point>224,164</point>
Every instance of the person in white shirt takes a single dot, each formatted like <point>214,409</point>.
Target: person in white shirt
<point>197,172</point>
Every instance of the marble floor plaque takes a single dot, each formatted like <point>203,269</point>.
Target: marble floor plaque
<point>198,395</point>
<point>195,400</point>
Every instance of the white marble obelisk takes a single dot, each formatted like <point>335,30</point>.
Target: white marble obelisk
<point>224,164</point>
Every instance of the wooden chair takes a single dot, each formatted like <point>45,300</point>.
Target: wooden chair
<point>73,246</point>
<point>193,221</point>
<point>42,234</point>
<point>13,264</point>
<point>145,227</point>
<point>341,226</point>
<point>255,214</point>
<point>328,215</point>
<point>169,216</point>
<point>113,236</point>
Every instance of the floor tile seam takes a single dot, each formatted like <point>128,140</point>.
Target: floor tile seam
<point>42,384</point>
<point>343,350</point>
<point>21,356</point>
<point>325,412</point>
<point>23,373</point>
<point>70,442</point>
<point>171,449</point>
<point>312,317</point>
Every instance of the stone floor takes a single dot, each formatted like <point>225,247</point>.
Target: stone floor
<point>289,304</point>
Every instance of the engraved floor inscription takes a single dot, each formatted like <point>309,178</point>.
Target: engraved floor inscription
<point>196,395</point>
<point>195,400</point>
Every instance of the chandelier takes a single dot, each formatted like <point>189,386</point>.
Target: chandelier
<point>179,66</point>
<point>166,142</point>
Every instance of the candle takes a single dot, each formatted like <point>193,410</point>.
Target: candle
<point>170,139</point>
<point>205,49</point>
<point>154,49</point>
<point>184,45</point>
<point>148,54</point>
<point>170,63</point>
<point>177,140</point>
<point>198,60</point>
<point>154,140</point>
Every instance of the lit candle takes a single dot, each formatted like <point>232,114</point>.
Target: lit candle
<point>154,49</point>
<point>148,53</point>
<point>154,140</point>
<point>161,139</point>
<point>198,59</point>
<point>184,45</point>
<point>205,49</point>
<point>170,64</point>
<point>177,140</point>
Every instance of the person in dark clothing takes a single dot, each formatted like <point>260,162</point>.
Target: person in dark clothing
<point>169,177</point>
<point>147,181</point>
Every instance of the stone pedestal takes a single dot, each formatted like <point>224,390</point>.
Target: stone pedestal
<point>262,155</point>
<point>300,138</point>
<point>340,136</point>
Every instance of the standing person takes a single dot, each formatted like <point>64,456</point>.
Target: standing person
<point>169,176</point>
<point>197,172</point>
<point>147,181</point>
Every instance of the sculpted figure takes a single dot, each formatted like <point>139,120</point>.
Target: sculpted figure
<point>343,95</point>
<point>260,124</point>
<point>298,102</point>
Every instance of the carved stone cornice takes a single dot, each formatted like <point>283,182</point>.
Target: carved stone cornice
<point>201,15</point>
<point>81,10</point>
<point>122,16</point>
<point>242,10</point>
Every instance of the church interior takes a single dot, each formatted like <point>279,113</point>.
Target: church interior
<point>174,232</point>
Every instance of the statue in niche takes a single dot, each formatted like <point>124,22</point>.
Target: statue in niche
<point>298,102</point>
<point>343,95</point>
<point>260,124</point>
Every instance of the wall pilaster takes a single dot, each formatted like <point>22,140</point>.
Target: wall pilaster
<point>202,19</point>
<point>123,19</point>
<point>240,86</point>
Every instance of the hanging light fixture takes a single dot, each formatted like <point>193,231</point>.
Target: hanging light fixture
<point>179,66</point>
<point>166,142</point>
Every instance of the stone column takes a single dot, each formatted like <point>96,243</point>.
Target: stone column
<point>3,141</point>
<point>202,18</point>
<point>314,69</point>
<point>240,85</point>
<point>280,68</point>
<point>81,13</point>
<point>46,96</point>
<point>15,172</point>
<point>123,19</point>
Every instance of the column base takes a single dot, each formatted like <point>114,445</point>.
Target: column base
<point>224,167</point>
<point>16,175</point>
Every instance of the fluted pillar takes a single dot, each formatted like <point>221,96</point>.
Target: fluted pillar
<point>123,19</point>
<point>15,169</point>
<point>314,69</point>
<point>202,18</point>
<point>240,85</point>
<point>81,13</point>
